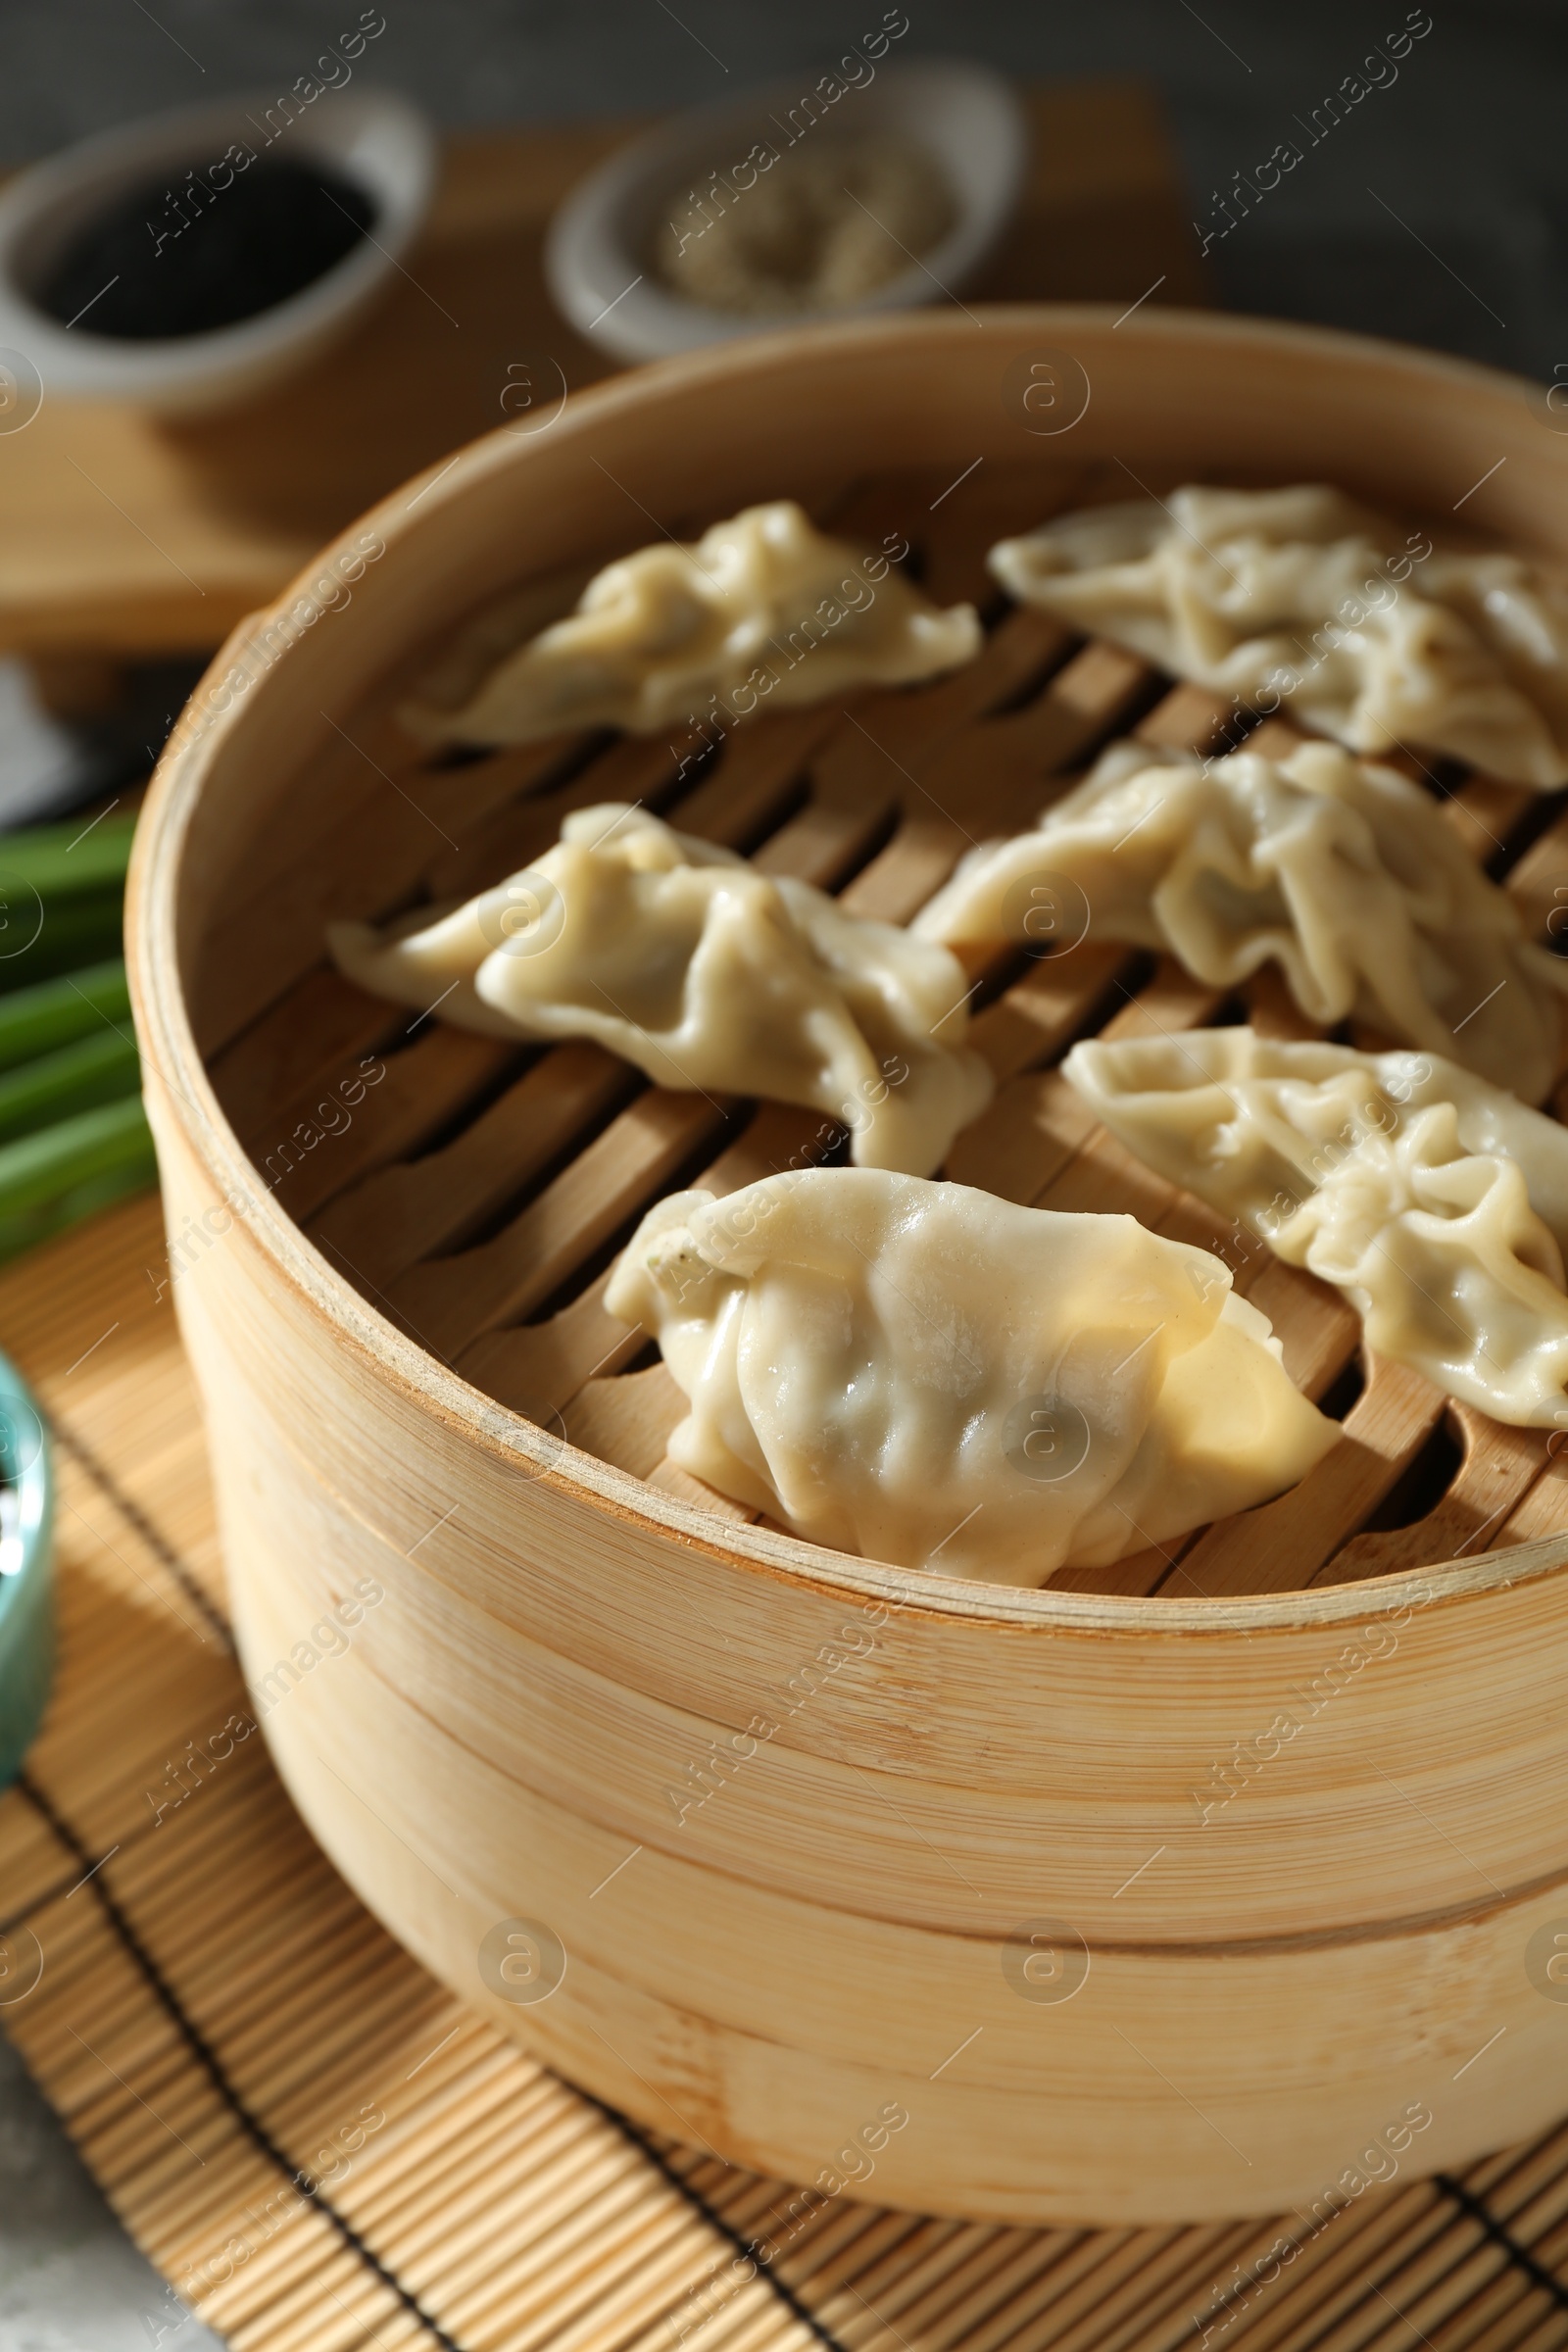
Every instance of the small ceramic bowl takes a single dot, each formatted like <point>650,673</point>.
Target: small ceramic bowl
<point>597,251</point>
<point>26,1580</point>
<point>368,136</point>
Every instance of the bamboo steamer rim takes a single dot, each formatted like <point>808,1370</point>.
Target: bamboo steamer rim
<point>176,1066</point>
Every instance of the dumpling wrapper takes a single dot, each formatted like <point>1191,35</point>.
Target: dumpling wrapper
<point>1265,593</point>
<point>709,976</point>
<point>1345,874</point>
<point>924,1374</point>
<point>764,611</point>
<point>1435,1202</point>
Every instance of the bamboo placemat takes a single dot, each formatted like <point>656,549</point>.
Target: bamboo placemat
<point>320,2147</point>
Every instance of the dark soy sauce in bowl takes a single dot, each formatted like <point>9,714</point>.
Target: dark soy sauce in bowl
<point>157,263</point>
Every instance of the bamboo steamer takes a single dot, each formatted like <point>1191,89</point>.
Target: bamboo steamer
<point>789,1844</point>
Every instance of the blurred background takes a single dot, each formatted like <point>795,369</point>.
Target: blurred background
<point>1467,147</point>
<point>1436,212</point>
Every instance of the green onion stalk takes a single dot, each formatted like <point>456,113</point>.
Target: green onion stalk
<point>73,1136</point>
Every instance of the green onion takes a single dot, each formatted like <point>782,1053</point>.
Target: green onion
<point>61,894</point>
<point>73,1135</point>
<point>54,1012</point>
<point>62,860</point>
<point>77,1077</point>
<point>40,936</point>
<point>68,1171</point>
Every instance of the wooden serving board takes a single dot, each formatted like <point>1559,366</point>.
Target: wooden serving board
<point>120,535</point>
<point>324,2150</point>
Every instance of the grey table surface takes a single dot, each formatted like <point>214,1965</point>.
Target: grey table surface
<point>1436,212</point>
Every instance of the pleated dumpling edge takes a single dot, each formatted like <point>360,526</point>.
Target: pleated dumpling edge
<point>763,613</point>
<point>1437,1204</point>
<point>1302,597</point>
<point>1341,872</point>
<point>707,974</point>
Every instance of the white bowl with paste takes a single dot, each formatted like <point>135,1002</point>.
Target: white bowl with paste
<point>692,178</point>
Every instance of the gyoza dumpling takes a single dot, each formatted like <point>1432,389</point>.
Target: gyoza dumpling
<point>1374,638</point>
<point>1344,874</point>
<point>1437,1204</point>
<point>707,975</point>
<point>429,958</point>
<point>764,611</point>
<point>925,1374</point>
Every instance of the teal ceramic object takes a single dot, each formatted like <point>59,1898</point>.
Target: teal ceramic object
<point>26,1570</point>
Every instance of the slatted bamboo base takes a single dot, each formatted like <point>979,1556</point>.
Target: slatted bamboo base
<point>478,1191</point>
<point>217,2018</point>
